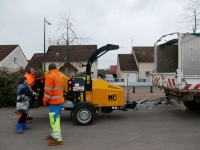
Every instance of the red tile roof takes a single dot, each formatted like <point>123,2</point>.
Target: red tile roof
<point>127,62</point>
<point>5,50</point>
<point>36,61</point>
<point>74,53</point>
<point>113,68</point>
<point>144,54</point>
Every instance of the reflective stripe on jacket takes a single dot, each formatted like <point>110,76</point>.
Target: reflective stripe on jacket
<point>53,88</point>
<point>30,78</point>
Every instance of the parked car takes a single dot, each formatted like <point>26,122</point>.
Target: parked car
<point>109,78</point>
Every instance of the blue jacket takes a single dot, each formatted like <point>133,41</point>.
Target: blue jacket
<point>24,96</point>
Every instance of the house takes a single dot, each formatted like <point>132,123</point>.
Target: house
<point>113,68</point>
<point>103,72</point>
<point>68,67</point>
<point>144,58</point>
<point>36,61</point>
<point>12,57</point>
<point>137,66</point>
<point>69,59</point>
<point>127,70</point>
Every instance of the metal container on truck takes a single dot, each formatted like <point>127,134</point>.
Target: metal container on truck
<point>177,68</point>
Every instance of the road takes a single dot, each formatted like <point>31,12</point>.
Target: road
<point>162,128</point>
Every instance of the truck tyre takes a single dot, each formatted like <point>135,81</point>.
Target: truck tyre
<point>192,105</point>
<point>84,115</point>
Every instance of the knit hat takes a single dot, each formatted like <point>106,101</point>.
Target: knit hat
<point>52,66</point>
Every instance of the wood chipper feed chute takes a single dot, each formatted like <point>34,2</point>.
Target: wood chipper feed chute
<point>65,80</point>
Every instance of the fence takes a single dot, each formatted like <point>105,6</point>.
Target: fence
<point>121,82</point>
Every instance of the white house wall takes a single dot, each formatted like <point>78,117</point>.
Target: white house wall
<point>143,67</point>
<point>130,78</point>
<point>118,69</point>
<point>8,61</point>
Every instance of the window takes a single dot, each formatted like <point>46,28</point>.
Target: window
<point>147,73</point>
<point>72,73</point>
<point>15,60</point>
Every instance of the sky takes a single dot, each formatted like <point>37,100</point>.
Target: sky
<point>125,23</point>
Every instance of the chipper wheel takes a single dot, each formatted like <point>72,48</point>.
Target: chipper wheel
<point>84,115</point>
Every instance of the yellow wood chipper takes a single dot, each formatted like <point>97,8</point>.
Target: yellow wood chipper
<point>85,97</point>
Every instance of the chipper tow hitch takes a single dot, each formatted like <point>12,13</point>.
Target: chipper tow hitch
<point>144,104</point>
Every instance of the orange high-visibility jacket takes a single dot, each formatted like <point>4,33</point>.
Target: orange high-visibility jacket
<point>30,78</point>
<point>53,88</point>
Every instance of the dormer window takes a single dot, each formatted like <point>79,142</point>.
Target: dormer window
<point>57,54</point>
<point>15,60</point>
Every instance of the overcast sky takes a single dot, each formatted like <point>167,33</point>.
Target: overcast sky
<point>105,21</point>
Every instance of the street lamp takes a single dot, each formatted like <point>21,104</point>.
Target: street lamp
<point>44,42</point>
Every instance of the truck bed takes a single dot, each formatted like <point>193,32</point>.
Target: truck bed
<point>177,63</point>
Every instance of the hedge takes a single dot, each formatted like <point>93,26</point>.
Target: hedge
<point>8,85</point>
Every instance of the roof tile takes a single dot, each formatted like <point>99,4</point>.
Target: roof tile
<point>5,50</point>
<point>144,54</point>
<point>36,61</point>
<point>74,53</point>
<point>113,68</point>
<point>127,62</point>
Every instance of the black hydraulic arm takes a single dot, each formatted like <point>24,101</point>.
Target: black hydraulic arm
<point>98,53</point>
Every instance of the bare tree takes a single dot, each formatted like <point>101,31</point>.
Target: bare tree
<point>67,35</point>
<point>192,15</point>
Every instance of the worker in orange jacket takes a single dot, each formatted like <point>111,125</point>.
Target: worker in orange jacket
<point>30,75</point>
<point>53,97</point>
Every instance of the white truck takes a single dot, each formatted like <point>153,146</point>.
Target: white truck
<point>177,68</point>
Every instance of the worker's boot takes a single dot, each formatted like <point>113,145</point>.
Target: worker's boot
<point>25,127</point>
<point>49,137</point>
<point>18,128</point>
<point>54,142</point>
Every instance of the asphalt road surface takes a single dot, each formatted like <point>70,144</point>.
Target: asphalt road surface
<point>165,127</point>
